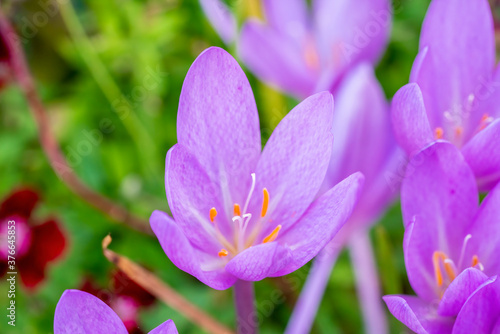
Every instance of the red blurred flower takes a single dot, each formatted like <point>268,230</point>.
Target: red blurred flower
<point>36,244</point>
<point>5,55</point>
<point>124,296</point>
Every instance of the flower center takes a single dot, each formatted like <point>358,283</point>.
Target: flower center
<point>242,237</point>
<point>455,132</point>
<point>445,270</point>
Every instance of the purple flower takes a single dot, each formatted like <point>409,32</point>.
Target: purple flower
<point>241,213</point>
<point>454,89</point>
<point>364,142</point>
<point>221,19</point>
<point>451,246</point>
<point>81,312</point>
<point>124,296</point>
<point>305,50</point>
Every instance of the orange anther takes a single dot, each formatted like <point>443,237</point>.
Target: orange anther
<point>437,269</point>
<point>475,261</point>
<point>213,214</point>
<point>485,120</point>
<point>436,257</point>
<point>223,252</point>
<point>438,133</point>
<point>449,271</point>
<point>459,130</point>
<point>236,210</point>
<point>272,236</point>
<point>265,203</point>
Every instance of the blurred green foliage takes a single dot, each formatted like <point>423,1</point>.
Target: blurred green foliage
<point>82,79</point>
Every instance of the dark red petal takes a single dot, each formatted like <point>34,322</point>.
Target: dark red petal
<point>4,61</point>
<point>47,242</point>
<point>5,47</point>
<point>132,327</point>
<point>7,37</point>
<point>4,50</point>
<point>21,203</point>
<point>124,286</point>
<point>31,273</point>
<point>3,268</point>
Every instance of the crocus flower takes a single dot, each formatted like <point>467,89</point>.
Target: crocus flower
<point>36,245</point>
<point>454,88</point>
<point>303,50</point>
<point>451,244</point>
<point>81,312</point>
<point>221,18</point>
<point>241,213</point>
<point>363,142</point>
<point>124,296</point>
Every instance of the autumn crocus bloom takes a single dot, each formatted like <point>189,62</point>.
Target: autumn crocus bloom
<point>451,245</point>
<point>81,312</point>
<point>454,89</point>
<point>241,213</point>
<point>36,244</point>
<point>303,50</point>
<point>363,142</point>
<point>124,296</point>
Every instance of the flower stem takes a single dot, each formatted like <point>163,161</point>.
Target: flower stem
<point>312,293</point>
<point>244,300</point>
<point>367,284</point>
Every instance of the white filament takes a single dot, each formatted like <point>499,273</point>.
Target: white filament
<point>249,194</point>
<point>246,219</point>
<point>451,263</point>
<point>462,252</point>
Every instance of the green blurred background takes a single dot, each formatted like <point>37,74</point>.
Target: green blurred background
<point>82,79</point>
